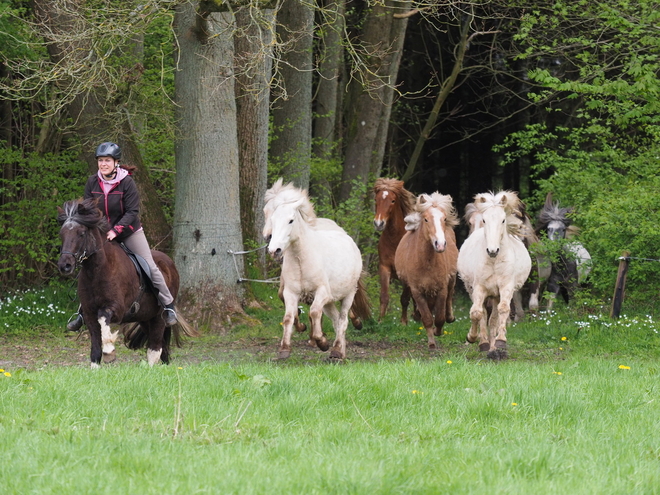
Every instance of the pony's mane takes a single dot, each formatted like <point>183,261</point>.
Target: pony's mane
<point>85,212</point>
<point>470,211</point>
<point>510,202</point>
<point>281,194</point>
<point>435,200</point>
<point>551,212</point>
<point>408,199</point>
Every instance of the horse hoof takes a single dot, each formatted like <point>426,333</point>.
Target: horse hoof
<point>357,324</point>
<point>451,319</point>
<point>433,347</point>
<point>335,355</point>
<point>323,344</point>
<point>484,347</point>
<point>500,344</point>
<point>301,328</point>
<point>283,354</point>
<point>110,357</point>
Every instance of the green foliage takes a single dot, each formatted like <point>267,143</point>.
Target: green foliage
<point>29,239</point>
<point>596,147</point>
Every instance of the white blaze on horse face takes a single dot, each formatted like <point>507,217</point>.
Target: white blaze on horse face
<point>494,229</point>
<point>108,338</point>
<point>283,223</point>
<point>437,219</point>
<point>556,230</point>
<point>379,221</point>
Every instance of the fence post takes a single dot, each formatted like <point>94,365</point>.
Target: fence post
<point>620,287</point>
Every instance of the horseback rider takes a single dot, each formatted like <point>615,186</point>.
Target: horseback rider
<point>120,202</point>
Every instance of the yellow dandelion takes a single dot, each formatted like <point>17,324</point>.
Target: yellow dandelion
<point>557,372</point>
<point>621,367</point>
<point>180,368</point>
<point>561,348</point>
<point>564,338</point>
<point>514,403</point>
<point>1,370</point>
<point>415,391</point>
<point>449,362</point>
<point>421,328</point>
<point>7,373</point>
<point>419,333</point>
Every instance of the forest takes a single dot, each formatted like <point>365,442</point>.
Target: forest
<point>214,100</point>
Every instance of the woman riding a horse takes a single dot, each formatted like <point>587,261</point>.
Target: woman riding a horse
<point>119,200</point>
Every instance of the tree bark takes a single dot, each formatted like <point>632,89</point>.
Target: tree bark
<point>253,62</point>
<point>207,213</point>
<point>291,148</point>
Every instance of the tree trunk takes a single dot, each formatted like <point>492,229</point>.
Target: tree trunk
<point>207,213</point>
<point>253,63</point>
<point>292,112</point>
<point>367,126</point>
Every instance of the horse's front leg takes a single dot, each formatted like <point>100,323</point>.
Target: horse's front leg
<point>94,328</point>
<point>426,316</point>
<point>108,337</point>
<point>340,323</point>
<point>503,308</point>
<point>385,275</point>
<point>290,314</point>
<point>315,315</point>
<point>406,294</point>
<point>478,318</point>
<point>449,311</point>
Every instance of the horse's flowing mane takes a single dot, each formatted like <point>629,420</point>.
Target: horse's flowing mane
<point>85,212</point>
<point>281,194</point>
<point>408,199</point>
<point>512,205</point>
<point>435,200</point>
<point>551,212</point>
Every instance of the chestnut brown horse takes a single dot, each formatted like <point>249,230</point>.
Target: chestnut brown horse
<point>426,261</point>
<point>109,287</point>
<point>393,203</point>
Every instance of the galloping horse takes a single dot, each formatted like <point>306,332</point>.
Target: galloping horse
<point>319,267</point>
<point>571,262</point>
<point>426,260</point>
<point>283,193</point>
<point>109,287</point>
<point>493,262</point>
<point>393,204</point>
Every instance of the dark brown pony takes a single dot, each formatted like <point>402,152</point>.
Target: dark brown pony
<point>109,286</point>
<point>426,261</point>
<point>393,203</point>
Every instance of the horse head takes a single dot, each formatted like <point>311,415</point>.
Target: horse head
<point>499,214</point>
<point>435,212</point>
<point>77,218</point>
<point>390,195</point>
<point>286,222</point>
<point>553,219</point>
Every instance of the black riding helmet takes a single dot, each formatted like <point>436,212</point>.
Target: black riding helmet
<point>109,149</point>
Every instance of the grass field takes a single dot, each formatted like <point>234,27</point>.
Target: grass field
<point>576,409</point>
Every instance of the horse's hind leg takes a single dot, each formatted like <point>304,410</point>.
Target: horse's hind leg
<point>406,294</point>
<point>385,275</point>
<point>449,310</point>
<point>340,323</point>
<point>156,329</point>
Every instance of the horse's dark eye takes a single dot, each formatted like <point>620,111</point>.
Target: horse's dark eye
<point>290,221</point>
<point>393,201</point>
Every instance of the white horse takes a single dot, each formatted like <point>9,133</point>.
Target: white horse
<point>319,267</point>
<point>493,263</point>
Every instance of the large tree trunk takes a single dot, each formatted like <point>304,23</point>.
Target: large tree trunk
<point>253,64</point>
<point>371,100</point>
<point>207,213</point>
<point>292,113</point>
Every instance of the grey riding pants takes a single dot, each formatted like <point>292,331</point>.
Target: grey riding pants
<point>138,243</point>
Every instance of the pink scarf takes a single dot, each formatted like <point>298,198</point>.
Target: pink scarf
<point>109,184</point>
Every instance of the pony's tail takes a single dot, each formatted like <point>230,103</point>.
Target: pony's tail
<point>135,336</point>
<point>182,329</point>
<point>361,306</point>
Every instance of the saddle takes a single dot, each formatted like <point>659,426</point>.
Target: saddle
<point>144,273</point>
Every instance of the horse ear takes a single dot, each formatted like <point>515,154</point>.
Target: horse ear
<point>548,200</point>
<point>60,211</point>
<point>422,199</point>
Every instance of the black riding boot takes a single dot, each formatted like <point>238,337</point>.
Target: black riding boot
<point>76,324</point>
<point>169,315</point>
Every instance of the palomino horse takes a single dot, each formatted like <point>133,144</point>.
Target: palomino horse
<point>493,262</point>
<point>474,219</point>
<point>426,261</point>
<point>570,261</point>
<point>109,286</point>
<point>319,267</point>
<point>283,193</point>
<point>393,204</point>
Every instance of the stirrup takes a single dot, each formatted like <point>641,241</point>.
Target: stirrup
<point>169,315</point>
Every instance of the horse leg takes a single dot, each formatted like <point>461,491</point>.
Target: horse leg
<point>440,311</point>
<point>355,320</point>
<point>478,316</point>
<point>406,294</point>
<point>385,274</point>
<point>108,337</point>
<point>300,327</point>
<point>426,316</point>
<point>340,323</point>
<point>94,328</point>
<point>498,336</point>
<point>518,311</point>
<point>449,311</point>
<point>156,329</point>
<point>290,314</point>
<point>315,318</point>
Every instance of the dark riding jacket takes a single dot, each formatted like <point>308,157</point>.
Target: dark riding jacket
<point>121,205</point>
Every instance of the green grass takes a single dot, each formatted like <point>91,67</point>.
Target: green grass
<point>576,409</point>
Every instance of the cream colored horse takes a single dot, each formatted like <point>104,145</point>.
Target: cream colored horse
<point>319,267</point>
<point>493,262</point>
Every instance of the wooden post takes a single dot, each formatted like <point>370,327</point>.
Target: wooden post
<point>620,287</point>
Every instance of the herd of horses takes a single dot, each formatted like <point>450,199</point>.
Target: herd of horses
<point>322,266</point>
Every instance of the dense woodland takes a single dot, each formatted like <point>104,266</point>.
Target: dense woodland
<point>214,100</point>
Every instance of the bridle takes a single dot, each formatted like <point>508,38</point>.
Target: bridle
<point>81,257</point>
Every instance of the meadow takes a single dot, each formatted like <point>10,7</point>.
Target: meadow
<point>575,409</point>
